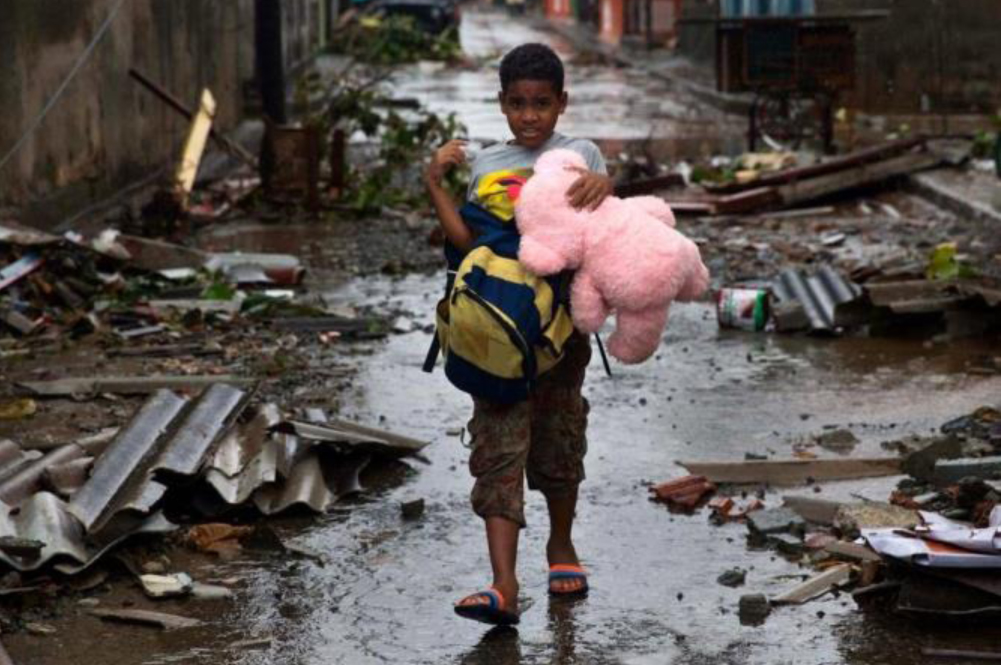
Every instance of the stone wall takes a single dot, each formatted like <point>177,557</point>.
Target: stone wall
<point>106,131</point>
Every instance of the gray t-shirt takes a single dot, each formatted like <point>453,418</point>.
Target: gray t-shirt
<point>498,172</point>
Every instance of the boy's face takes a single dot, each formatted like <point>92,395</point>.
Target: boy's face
<point>532,109</point>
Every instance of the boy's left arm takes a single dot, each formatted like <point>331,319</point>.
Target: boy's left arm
<point>589,190</point>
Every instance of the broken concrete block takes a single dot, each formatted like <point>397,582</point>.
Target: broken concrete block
<point>851,518</point>
<point>753,609</point>
<point>920,463</point>
<point>954,470</point>
<point>775,520</point>
<point>787,544</point>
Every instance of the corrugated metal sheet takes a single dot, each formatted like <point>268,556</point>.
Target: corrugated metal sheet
<point>134,444</point>
<point>28,479</point>
<point>820,294</point>
<point>44,517</point>
<point>349,436</point>
<point>203,425</point>
<point>13,459</point>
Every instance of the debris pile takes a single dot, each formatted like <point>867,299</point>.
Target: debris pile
<point>933,550</point>
<point>176,456</point>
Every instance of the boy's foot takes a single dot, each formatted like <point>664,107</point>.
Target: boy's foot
<point>492,606</point>
<point>566,576</point>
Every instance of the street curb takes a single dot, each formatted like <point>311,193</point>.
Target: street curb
<point>924,185</point>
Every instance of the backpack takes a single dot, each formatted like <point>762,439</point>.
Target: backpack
<point>499,327</point>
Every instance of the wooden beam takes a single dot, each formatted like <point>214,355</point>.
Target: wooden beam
<point>794,471</point>
<point>194,146</point>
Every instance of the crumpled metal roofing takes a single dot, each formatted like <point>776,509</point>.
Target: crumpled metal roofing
<point>820,293</point>
<point>44,517</point>
<point>169,439</point>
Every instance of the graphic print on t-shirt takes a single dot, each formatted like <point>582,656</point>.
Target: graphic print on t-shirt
<point>498,191</point>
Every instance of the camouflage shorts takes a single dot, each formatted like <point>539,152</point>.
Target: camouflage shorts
<point>543,438</point>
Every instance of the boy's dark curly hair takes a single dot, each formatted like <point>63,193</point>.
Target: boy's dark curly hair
<point>532,62</point>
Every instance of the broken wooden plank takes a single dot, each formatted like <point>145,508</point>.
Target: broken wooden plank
<point>794,471</point>
<point>128,385</point>
<point>194,146</point>
<point>865,156</point>
<point>748,201</point>
<point>147,618</point>
<point>865,174</point>
<point>818,585</point>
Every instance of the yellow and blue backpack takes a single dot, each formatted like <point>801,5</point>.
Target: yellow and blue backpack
<point>499,327</point>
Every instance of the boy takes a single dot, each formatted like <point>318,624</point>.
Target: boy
<point>543,437</point>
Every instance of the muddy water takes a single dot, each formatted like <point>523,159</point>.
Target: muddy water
<point>618,108</point>
<point>386,597</point>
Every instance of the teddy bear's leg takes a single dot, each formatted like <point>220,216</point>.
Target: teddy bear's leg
<point>655,206</point>
<point>538,258</point>
<point>587,304</point>
<point>637,334</point>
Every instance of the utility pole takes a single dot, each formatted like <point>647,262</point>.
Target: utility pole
<point>269,59</point>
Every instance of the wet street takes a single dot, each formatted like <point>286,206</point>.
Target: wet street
<point>386,594</point>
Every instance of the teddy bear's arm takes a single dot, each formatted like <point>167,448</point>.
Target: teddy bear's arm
<point>587,304</point>
<point>538,258</point>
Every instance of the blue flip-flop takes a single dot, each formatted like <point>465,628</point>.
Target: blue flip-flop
<point>491,612</point>
<point>565,571</point>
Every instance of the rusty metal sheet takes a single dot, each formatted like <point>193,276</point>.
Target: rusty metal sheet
<point>121,462</point>
<point>20,485</point>
<point>201,427</point>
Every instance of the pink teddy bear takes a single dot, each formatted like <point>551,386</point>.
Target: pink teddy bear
<point>628,257</point>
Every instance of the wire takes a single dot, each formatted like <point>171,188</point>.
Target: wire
<point>62,88</point>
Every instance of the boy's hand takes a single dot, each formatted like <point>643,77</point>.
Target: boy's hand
<point>589,190</point>
<point>443,160</point>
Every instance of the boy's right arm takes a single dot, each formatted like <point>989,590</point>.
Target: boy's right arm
<point>445,158</point>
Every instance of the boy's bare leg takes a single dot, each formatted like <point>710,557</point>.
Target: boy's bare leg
<point>502,541</point>
<point>560,549</point>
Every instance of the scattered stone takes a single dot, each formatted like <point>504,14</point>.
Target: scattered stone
<point>753,609</point>
<point>166,586</point>
<point>732,578</point>
<point>412,509</point>
<point>210,591</point>
<point>841,441</point>
<point>39,629</point>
